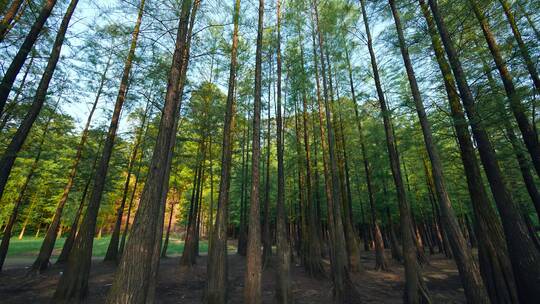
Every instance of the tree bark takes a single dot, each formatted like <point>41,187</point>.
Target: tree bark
<point>216,288</point>
<point>470,275</point>
<point>133,283</point>
<point>22,54</point>
<point>252,287</point>
<point>283,276</point>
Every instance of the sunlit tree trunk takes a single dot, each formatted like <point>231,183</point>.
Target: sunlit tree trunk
<point>26,47</point>
<point>22,191</point>
<point>252,287</point>
<point>216,288</point>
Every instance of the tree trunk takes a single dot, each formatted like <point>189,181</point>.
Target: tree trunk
<point>252,287</point>
<point>415,290</point>
<point>523,254</point>
<point>266,237</point>
<point>521,44</point>
<point>470,275</point>
<point>15,145</point>
<point>283,276</point>
<point>494,260</point>
<point>189,255</point>
<point>516,104</point>
<point>380,258</point>
<point>312,259</point>
<point>22,54</point>
<point>135,278</point>
<point>167,235</point>
<point>73,284</point>
<point>9,16</point>
<point>70,239</point>
<point>112,250</point>
<point>216,288</point>
<point>21,193</point>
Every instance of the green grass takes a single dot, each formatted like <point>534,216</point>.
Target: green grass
<point>29,246</point>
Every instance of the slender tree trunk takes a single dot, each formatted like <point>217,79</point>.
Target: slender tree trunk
<point>134,281</point>
<point>216,288</point>
<point>521,44</point>
<point>22,54</point>
<point>380,258</point>
<point>134,191</point>
<point>112,250</point>
<point>494,260</point>
<point>70,239</point>
<point>9,17</point>
<point>283,279</point>
<point>468,270</point>
<point>266,237</point>
<point>252,287</point>
<point>523,162</point>
<point>516,105</point>
<point>73,284</point>
<point>7,114</point>
<point>42,261</point>
<point>168,233</point>
<point>415,290</point>
<point>242,231</point>
<point>15,145</point>
<point>530,22</point>
<point>22,191</point>
<point>312,259</point>
<point>189,256</point>
<point>523,254</point>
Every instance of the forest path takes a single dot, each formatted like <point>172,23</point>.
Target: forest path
<point>178,285</point>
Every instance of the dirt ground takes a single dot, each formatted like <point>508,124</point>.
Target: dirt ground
<point>177,285</point>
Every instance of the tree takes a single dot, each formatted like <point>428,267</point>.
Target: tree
<point>132,283</point>
<point>22,54</point>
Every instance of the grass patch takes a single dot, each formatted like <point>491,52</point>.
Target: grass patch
<point>30,246</point>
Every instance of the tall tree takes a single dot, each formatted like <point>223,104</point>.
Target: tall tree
<point>493,255</point>
<point>22,191</point>
<point>112,249</point>
<point>133,283</point>
<point>283,282</point>
<point>523,49</point>
<point>22,54</point>
<point>516,105</point>
<point>252,287</point>
<point>216,286</point>
<point>468,270</point>
<point>73,284</point>
<point>16,143</point>
<point>524,256</point>
<point>42,261</point>
<point>415,290</point>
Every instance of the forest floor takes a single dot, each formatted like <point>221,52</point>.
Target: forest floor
<point>178,285</point>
